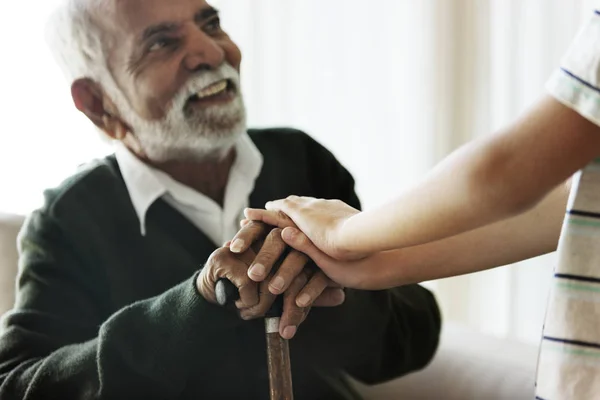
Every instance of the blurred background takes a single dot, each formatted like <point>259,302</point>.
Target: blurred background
<point>390,86</point>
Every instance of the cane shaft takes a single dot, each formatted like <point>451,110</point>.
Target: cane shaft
<point>278,358</point>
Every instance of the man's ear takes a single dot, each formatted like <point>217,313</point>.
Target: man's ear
<point>89,98</point>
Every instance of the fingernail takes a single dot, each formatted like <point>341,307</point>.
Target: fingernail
<point>237,245</point>
<point>303,300</point>
<point>289,332</point>
<point>288,234</point>
<point>278,283</point>
<point>258,270</point>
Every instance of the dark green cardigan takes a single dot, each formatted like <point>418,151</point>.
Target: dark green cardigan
<point>103,312</point>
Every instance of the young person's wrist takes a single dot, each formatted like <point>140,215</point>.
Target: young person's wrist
<point>350,240</point>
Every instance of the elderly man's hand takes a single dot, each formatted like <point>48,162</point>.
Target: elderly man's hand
<point>296,279</point>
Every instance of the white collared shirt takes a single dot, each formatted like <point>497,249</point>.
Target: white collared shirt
<point>146,184</point>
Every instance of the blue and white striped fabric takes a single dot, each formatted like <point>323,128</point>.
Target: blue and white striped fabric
<point>569,363</point>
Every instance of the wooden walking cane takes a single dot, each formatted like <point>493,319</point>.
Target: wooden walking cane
<point>278,352</point>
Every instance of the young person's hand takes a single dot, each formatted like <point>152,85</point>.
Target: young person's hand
<point>322,221</point>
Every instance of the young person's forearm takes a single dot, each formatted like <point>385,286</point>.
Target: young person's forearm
<point>530,234</point>
<point>484,182</point>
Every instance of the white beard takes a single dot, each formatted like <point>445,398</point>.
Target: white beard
<point>181,137</point>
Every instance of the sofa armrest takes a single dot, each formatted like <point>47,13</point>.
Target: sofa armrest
<point>9,228</point>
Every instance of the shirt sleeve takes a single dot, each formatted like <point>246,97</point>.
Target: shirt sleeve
<point>576,83</point>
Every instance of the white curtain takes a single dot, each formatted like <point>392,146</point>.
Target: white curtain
<point>390,86</point>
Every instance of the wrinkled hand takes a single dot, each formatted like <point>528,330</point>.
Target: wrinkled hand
<point>296,281</point>
<point>322,221</point>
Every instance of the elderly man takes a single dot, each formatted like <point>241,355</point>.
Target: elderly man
<point>110,304</point>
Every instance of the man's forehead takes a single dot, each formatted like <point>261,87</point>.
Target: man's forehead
<point>135,16</point>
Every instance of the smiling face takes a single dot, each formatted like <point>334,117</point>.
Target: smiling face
<point>177,74</point>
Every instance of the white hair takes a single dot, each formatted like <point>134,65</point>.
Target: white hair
<point>78,43</point>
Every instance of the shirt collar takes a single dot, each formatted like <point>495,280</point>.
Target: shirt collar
<point>146,184</point>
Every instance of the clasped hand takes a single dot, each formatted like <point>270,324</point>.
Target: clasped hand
<point>248,261</point>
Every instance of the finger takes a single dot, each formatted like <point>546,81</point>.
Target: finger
<point>299,241</point>
<point>247,288</point>
<point>247,236</point>
<point>331,297</point>
<point>292,315</point>
<point>274,218</point>
<point>246,257</point>
<point>234,268</point>
<point>288,271</point>
<point>223,264</point>
<point>334,285</point>
<point>244,222</point>
<point>271,250</point>
<point>266,300</point>
<point>275,205</point>
<point>239,304</point>
<point>313,289</point>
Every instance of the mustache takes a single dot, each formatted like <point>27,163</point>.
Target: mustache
<point>204,79</point>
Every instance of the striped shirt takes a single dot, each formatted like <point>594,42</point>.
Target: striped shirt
<point>569,362</point>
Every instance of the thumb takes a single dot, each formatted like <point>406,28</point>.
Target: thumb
<point>299,241</point>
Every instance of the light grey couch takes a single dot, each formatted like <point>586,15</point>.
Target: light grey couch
<point>9,227</point>
<point>468,366</point>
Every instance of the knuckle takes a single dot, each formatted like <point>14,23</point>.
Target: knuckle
<point>288,272</point>
<point>275,234</point>
<point>300,313</point>
<point>257,225</point>
<point>322,281</point>
<point>274,242</point>
<point>297,317</point>
<point>282,216</point>
<point>253,313</point>
<point>289,202</point>
<point>246,230</point>
<point>220,256</point>
<point>317,284</point>
<point>292,309</point>
<point>266,256</point>
<point>251,228</point>
<point>245,285</point>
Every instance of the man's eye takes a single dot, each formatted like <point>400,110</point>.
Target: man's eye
<point>214,25</point>
<point>159,44</point>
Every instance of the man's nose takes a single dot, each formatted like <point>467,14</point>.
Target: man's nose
<point>204,53</point>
